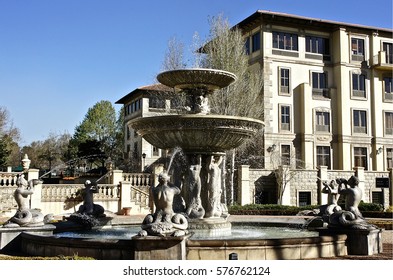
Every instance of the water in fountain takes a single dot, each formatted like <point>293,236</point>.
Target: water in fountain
<point>174,153</point>
<point>239,232</point>
<point>70,162</point>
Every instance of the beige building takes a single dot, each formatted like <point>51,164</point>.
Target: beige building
<point>328,96</point>
<point>145,101</point>
<point>328,90</point>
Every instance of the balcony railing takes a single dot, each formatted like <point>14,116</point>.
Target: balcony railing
<point>383,61</point>
<point>320,93</point>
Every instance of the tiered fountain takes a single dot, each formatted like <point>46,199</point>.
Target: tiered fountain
<point>204,138</point>
<point>166,234</point>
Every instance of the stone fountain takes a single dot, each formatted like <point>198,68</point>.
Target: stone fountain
<point>204,138</point>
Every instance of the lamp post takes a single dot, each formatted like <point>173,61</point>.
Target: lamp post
<point>143,161</point>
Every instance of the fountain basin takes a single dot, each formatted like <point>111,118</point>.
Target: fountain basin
<point>203,134</point>
<point>256,246</point>
<point>210,79</point>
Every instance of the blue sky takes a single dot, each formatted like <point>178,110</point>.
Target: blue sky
<point>60,57</point>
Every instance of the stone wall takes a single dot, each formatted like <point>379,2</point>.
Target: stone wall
<point>262,185</point>
<point>124,191</point>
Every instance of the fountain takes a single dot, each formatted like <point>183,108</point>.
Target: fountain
<point>204,138</point>
<point>189,221</point>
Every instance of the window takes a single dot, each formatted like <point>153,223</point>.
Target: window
<point>360,157</point>
<point>285,117</point>
<point>285,154</point>
<point>156,151</point>
<point>135,153</point>
<point>359,121</point>
<point>358,85</point>
<point>389,123</point>
<point>323,156</point>
<point>304,198</point>
<point>156,102</point>
<point>357,47</point>
<point>388,86</point>
<point>256,42</point>
<point>284,81</point>
<point>376,197</point>
<point>318,45</point>
<point>388,49</point>
<point>285,41</point>
<point>389,157</point>
<point>247,46</point>
<point>322,121</point>
<point>128,150</point>
<point>128,133</point>
<point>319,85</point>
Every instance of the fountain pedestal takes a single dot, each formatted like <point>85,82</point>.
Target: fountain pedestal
<point>210,227</point>
<point>160,248</point>
<point>359,241</point>
<point>9,237</point>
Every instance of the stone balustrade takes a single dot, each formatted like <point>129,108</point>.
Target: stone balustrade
<point>9,178</point>
<point>137,179</point>
<point>59,199</point>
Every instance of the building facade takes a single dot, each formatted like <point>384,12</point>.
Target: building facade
<point>328,97</point>
<point>145,101</point>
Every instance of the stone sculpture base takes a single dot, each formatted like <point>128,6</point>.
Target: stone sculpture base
<point>210,227</point>
<point>9,236</point>
<point>359,241</point>
<point>160,248</point>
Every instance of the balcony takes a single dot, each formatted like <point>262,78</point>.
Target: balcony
<point>382,61</point>
<point>320,93</point>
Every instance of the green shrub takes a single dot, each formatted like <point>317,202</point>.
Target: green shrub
<point>367,209</point>
<point>268,209</point>
<point>370,207</point>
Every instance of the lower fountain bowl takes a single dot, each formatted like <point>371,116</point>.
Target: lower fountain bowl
<point>197,133</point>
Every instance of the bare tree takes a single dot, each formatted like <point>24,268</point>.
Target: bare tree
<point>225,50</point>
<point>285,169</point>
<point>174,56</point>
<point>9,137</point>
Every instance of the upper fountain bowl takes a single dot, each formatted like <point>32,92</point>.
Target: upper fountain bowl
<point>209,79</point>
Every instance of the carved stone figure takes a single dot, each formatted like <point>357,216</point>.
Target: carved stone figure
<point>214,187</point>
<point>353,195</point>
<point>350,217</point>
<point>195,209</point>
<point>24,216</point>
<point>89,214</point>
<point>89,207</point>
<point>332,191</point>
<point>164,221</point>
<point>201,104</point>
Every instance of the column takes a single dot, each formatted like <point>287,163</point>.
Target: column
<point>323,177</point>
<point>35,200</point>
<point>117,177</point>
<point>243,196</point>
<point>359,172</point>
